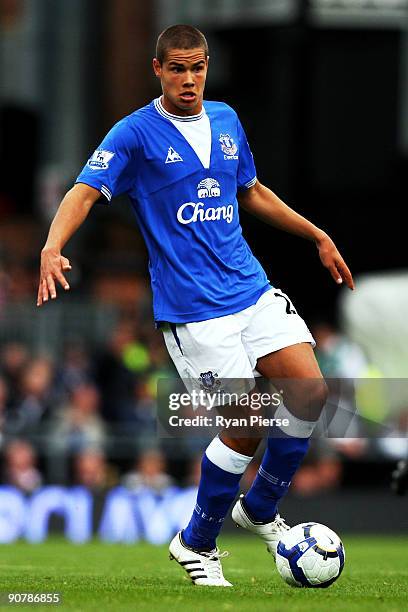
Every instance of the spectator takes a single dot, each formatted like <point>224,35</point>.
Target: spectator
<point>20,466</point>
<point>78,425</point>
<point>14,358</point>
<point>338,356</point>
<point>149,471</point>
<point>92,471</point>
<point>142,411</point>
<point>116,375</point>
<point>35,400</point>
<point>75,368</point>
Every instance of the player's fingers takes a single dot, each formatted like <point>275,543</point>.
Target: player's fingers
<point>345,274</point>
<point>62,280</point>
<point>44,290</point>
<point>39,294</point>
<point>65,264</point>
<point>335,273</point>
<point>51,287</point>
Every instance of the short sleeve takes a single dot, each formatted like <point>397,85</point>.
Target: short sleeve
<point>112,167</point>
<point>246,176</point>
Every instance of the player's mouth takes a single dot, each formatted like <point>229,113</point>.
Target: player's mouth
<point>188,96</point>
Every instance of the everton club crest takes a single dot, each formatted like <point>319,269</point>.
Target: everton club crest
<point>209,381</point>
<point>228,146</point>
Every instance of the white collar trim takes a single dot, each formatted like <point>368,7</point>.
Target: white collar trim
<point>162,111</point>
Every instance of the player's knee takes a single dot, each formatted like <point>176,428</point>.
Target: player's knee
<point>244,446</point>
<point>308,399</point>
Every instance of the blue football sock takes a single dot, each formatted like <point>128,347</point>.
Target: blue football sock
<point>221,471</point>
<point>282,458</point>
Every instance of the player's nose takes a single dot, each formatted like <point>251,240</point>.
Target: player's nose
<point>189,79</point>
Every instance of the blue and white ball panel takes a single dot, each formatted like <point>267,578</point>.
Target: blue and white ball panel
<point>310,555</point>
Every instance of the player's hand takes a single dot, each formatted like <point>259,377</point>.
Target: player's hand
<point>53,265</point>
<point>333,261</point>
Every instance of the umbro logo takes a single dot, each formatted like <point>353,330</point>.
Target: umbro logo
<point>173,156</point>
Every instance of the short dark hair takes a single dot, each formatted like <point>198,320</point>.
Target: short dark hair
<point>180,37</point>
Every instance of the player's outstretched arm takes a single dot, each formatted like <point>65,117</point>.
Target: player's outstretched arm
<point>71,213</point>
<point>263,203</point>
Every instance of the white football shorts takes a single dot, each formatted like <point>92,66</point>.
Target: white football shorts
<point>229,347</point>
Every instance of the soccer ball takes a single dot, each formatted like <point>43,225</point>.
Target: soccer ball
<point>310,555</point>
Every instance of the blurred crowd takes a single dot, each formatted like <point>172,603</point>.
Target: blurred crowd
<point>90,417</point>
<point>68,415</point>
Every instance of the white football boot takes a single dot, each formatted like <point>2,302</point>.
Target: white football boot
<point>270,533</point>
<point>204,568</point>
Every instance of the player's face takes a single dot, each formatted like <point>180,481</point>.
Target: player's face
<point>182,77</point>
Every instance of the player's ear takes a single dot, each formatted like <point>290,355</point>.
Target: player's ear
<point>157,67</point>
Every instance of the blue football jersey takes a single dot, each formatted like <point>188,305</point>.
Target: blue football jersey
<point>200,265</point>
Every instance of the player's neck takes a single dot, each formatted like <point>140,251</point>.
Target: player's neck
<point>178,112</point>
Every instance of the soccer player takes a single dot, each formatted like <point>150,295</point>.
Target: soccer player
<point>185,164</point>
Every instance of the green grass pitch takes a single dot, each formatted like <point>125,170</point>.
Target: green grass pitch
<point>107,577</point>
